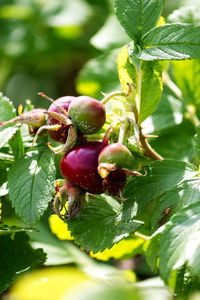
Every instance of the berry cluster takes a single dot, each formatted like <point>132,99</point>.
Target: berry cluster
<point>94,167</point>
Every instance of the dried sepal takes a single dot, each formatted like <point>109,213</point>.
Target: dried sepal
<point>68,198</point>
<point>33,118</point>
<point>70,141</point>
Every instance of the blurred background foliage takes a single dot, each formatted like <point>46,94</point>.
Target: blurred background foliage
<point>69,47</point>
<point>45,43</point>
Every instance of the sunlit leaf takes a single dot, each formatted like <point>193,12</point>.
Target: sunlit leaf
<point>171,42</point>
<point>7,112</point>
<point>31,184</point>
<point>59,228</point>
<point>125,249</point>
<point>180,243</point>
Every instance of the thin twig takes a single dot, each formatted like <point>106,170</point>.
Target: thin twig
<point>148,150</point>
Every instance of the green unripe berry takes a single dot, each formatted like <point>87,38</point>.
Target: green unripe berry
<point>117,154</point>
<point>88,114</point>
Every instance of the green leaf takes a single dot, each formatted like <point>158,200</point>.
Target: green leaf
<point>5,229</point>
<point>99,75</point>
<point>6,160</point>
<point>127,76</point>
<point>141,81</point>
<point>151,249</point>
<point>17,257</point>
<point>62,252</point>
<point>139,16</point>
<point>56,255</point>
<point>168,114</point>
<point>102,223</point>
<point>31,184</point>
<point>176,143</point>
<point>180,243</point>
<point>125,249</point>
<point>3,190</point>
<point>187,76</point>
<point>197,142</point>
<point>161,177</point>
<point>183,283</point>
<point>171,42</point>
<point>58,252</point>
<point>6,134</point>
<point>3,175</point>
<point>149,87</point>
<point>7,112</point>
<point>16,144</point>
<point>174,200</point>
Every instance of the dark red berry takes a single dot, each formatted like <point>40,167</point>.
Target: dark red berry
<point>61,134</point>
<point>79,166</point>
<point>88,114</point>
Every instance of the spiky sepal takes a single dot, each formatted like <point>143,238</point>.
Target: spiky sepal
<point>67,198</point>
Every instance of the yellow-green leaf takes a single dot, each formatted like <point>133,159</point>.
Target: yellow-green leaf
<point>59,228</point>
<point>124,249</point>
<point>127,75</point>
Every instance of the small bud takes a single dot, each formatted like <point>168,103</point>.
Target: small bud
<point>20,109</point>
<point>67,197</point>
<point>76,200</point>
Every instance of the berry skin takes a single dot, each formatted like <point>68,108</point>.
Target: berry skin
<point>79,166</point>
<point>61,134</point>
<point>88,114</point>
<point>117,154</point>
<point>114,163</point>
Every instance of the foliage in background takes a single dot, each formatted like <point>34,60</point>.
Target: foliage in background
<point>161,218</point>
<point>43,44</point>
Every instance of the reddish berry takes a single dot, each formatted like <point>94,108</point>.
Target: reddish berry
<point>61,134</point>
<point>88,114</point>
<point>79,166</point>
